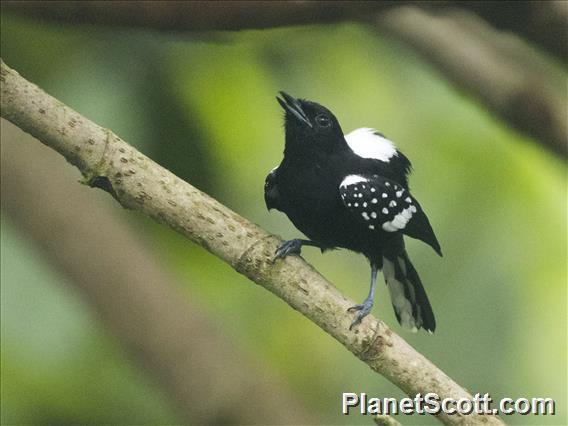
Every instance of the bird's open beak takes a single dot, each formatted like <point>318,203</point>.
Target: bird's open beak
<point>293,106</point>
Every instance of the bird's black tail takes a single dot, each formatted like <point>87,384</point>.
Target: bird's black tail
<point>408,297</point>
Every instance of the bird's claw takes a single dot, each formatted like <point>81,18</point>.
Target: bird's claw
<point>289,247</point>
<point>361,310</point>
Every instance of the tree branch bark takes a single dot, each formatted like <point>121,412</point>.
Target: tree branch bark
<point>543,23</point>
<point>469,53</point>
<point>138,183</point>
<point>385,420</point>
<point>526,101</point>
<point>200,367</point>
<point>200,15</point>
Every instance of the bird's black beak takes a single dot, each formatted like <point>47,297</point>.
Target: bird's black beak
<point>293,106</point>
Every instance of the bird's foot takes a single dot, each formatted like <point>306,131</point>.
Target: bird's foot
<point>361,310</point>
<point>289,247</point>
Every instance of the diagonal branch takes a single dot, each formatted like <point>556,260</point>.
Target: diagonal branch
<point>138,183</point>
<point>205,374</point>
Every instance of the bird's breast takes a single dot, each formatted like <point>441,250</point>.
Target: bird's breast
<point>310,199</point>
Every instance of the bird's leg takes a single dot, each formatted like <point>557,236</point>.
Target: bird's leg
<point>294,247</point>
<point>364,308</point>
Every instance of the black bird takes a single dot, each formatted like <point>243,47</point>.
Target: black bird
<point>351,191</point>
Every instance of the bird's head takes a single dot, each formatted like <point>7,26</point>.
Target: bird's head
<point>310,125</point>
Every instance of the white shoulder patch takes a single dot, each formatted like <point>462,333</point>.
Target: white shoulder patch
<point>366,143</point>
<point>352,179</point>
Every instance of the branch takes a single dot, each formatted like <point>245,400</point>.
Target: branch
<point>385,420</point>
<point>204,373</point>
<point>543,23</point>
<point>496,69</point>
<point>199,15</point>
<point>523,99</point>
<point>138,183</point>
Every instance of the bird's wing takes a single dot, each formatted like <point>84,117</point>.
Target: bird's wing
<point>384,205</point>
<point>271,195</point>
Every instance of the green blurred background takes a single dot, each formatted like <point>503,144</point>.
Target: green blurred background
<point>203,106</point>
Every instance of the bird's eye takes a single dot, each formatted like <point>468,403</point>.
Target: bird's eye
<point>323,120</point>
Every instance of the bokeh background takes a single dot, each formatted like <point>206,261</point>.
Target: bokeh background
<point>203,106</point>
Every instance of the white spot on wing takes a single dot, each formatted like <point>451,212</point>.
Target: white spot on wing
<point>351,180</point>
<point>406,214</point>
<point>387,226</point>
<point>366,143</point>
<point>399,221</point>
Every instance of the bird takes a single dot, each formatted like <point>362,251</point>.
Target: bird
<point>351,192</point>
